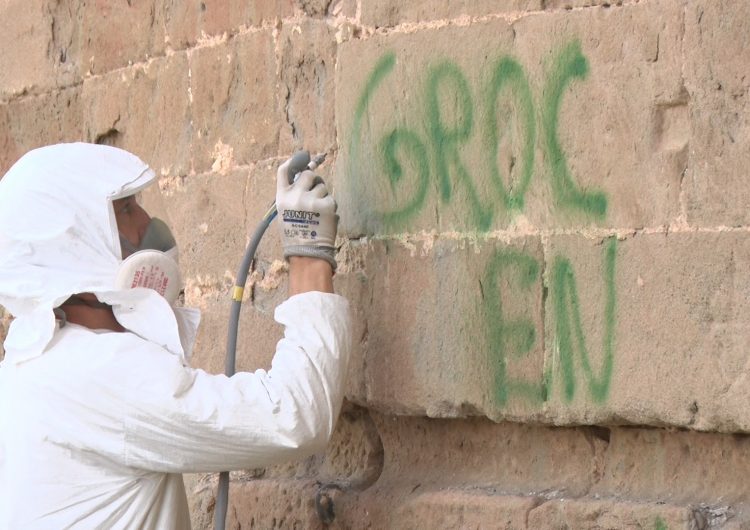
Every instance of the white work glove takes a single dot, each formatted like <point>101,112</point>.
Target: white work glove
<point>307,213</point>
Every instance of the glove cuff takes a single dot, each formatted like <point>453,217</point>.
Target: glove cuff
<point>326,253</point>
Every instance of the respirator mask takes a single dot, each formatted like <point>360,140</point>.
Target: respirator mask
<point>153,262</point>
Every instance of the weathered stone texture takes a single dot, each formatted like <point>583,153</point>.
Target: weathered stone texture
<point>458,509</point>
<point>473,473</point>
<point>234,100</point>
<point>320,8</point>
<point>40,43</point>
<point>718,86</point>
<point>694,282</point>
<point>591,514</point>
<point>144,110</point>
<point>209,205</point>
<point>115,34</point>
<point>34,121</point>
<point>308,59</point>
<point>678,467</point>
<point>190,21</point>
<point>468,321</point>
<point>258,332</point>
<point>434,317</point>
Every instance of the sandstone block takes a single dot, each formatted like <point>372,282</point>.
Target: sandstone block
<point>209,219</point>
<point>703,469</point>
<point>649,330</point>
<point>40,47</point>
<point>273,504</point>
<point>145,110</point>
<point>717,84</point>
<point>234,100</point>
<point>212,213</point>
<point>450,325</point>
<point>307,93</point>
<point>115,34</point>
<point>468,321</point>
<point>442,472</point>
<point>35,121</point>
<point>531,123</point>
<point>507,457</point>
<point>320,8</point>
<point>213,217</point>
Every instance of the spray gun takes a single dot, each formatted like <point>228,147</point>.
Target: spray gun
<point>299,162</point>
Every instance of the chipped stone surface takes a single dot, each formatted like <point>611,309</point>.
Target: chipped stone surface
<point>144,110</point>
<point>234,99</point>
<point>308,60</point>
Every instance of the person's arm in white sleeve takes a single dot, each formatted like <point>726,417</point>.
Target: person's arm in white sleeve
<point>186,420</point>
<point>255,419</point>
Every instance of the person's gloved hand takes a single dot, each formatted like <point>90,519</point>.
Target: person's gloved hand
<point>307,213</point>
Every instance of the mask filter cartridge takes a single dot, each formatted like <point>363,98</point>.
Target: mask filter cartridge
<point>152,269</point>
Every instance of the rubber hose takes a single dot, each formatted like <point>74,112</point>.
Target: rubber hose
<point>299,161</point>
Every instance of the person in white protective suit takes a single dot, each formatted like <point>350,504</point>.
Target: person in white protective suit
<point>99,417</point>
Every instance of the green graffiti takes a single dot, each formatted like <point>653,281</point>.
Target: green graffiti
<point>415,158</point>
<point>508,73</point>
<point>412,145</point>
<point>379,73</point>
<point>381,70</point>
<point>450,125</point>
<point>569,330</point>
<point>445,140</point>
<point>510,338</point>
<point>660,524</point>
<point>570,64</point>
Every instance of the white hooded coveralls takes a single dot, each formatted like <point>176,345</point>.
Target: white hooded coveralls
<point>96,426</point>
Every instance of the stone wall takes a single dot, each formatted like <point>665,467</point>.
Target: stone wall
<point>544,235</point>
